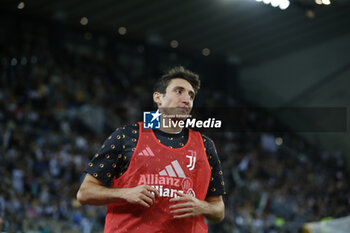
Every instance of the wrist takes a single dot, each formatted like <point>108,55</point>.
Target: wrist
<point>205,207</point>
<point>120,194</point>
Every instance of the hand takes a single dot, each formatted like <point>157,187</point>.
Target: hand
<point>141,195</point>
<point>190,206</point>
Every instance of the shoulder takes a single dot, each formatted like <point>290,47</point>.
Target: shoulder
<point>124,135</point>
<point>128,127</point>
<point>209,145</point>
<point>127,130</point>
<point>208,142</point>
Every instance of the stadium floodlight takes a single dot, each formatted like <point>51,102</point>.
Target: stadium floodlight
<point>84,21</point>
<point>174,44</point>
<point>206,52</point>
<point>318,2</point>
<point>122,31</point>
<point>279,141</point>
<point>284,4</point>
<point>13,61</point>
<point>275,3</point>
<point>20,5</point>
<point>326,2</point>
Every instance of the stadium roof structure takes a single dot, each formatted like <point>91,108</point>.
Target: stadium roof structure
<point>246,31</point>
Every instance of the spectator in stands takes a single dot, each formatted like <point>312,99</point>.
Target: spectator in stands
<point>42,92</point>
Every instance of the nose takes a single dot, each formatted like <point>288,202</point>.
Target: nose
<point>186,100</point>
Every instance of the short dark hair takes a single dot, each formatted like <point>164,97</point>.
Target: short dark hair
<point>177,72</point>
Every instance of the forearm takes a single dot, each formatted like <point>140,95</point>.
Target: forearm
<point>214,211</point>
<point>98,195</point>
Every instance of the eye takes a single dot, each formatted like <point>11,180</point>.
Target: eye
<point>178,91</point>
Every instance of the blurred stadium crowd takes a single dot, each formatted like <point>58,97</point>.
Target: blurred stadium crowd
<point>58,102</point>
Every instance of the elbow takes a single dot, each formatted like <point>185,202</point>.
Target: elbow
<point>81,197</point>
<point>217,217</point>
<point>221,215</point>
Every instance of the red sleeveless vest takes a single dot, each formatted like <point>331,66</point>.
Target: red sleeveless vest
<point>184,169</point>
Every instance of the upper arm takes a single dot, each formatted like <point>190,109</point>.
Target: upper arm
<point>89,179</point>
<point>105,164</point>
<point>216,183</point>
<point>89,183</point>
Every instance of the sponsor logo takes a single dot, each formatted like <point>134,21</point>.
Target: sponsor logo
<point>146,152</point>
<point>192,158</point>
<point>168,181</point>
<point>169,170</point>
<point>151,179</point>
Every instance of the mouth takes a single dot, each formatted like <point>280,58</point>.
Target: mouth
<point>183,110</point>
<point>179,111</point>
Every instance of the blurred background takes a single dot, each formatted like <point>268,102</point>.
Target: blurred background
<point>73,71</point>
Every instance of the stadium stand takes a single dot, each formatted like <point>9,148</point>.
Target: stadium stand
<point>48,89</point>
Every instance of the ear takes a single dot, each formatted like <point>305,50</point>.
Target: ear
<point>157,98</point>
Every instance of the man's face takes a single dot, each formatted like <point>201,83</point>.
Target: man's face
<point>178,97</point>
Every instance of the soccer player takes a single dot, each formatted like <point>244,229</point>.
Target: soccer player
<point>158,180</point>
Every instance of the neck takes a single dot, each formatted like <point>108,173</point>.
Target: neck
<point>172,130</point>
